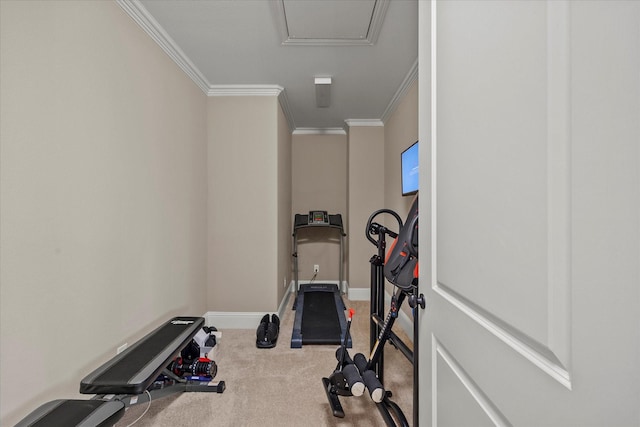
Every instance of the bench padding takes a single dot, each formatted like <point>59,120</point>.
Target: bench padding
<point>81,413</point>
<point>133,370</point>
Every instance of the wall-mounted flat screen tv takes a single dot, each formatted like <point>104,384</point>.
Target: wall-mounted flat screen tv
<point>410,168</point>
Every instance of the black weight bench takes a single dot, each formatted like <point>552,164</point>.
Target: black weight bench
<point>122,381</point>
<point>85,413</point>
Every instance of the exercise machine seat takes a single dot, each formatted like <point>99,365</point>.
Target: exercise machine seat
<point>401,265</point>
<point>133,370</point>
<point>80,413</point>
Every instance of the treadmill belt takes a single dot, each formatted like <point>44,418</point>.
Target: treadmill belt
<point>320,322</point>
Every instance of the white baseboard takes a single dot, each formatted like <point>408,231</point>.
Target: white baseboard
<point>245,320</point>
<point>284,304</point>
<point>359,294</point>
<point>233,320</point>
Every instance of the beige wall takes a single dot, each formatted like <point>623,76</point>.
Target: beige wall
<point>366,195</point>
<point>246,191</point>
<point>319,182</point>
<point>400,131</point>
<point>103,194</point>
<point>374,179</point>
<point>284,206</point>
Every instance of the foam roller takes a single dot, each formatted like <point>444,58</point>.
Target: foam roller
<point>376,390</point>
<point>361,362</point>
<point>356,384</point>
<point>347,358</point>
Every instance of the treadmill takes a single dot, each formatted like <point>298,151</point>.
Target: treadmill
<point>320,317</point>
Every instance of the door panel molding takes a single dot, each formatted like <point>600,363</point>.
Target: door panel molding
<point>553,353</point>
<point>534,351</point>
<point>559,179</point>
<point>485,403</point>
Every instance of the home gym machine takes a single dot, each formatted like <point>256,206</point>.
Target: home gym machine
<point>400,268</point>
<point>319,307</point>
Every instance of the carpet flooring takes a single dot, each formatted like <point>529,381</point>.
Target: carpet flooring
<point>280,386</point>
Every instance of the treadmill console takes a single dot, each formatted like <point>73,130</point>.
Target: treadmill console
<point>318,218</point>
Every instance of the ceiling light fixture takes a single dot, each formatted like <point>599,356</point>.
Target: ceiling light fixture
<point>323,91</point>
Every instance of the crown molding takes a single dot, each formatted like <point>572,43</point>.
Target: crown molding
<point>364,122</point>
<point>319,131</point>
<point>411,77</point>
<point>286,109</point>
<point>143,18</point>
<point>244,90</point>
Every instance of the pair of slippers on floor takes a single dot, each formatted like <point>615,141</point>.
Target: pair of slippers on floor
<point>268,330</point>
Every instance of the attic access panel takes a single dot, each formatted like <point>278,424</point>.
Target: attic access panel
<point>321,22</point>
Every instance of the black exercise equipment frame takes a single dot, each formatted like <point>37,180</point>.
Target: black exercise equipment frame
<point>301,222</point>
<point>381,329</point>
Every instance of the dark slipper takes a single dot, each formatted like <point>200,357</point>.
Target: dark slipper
<point>273,329</point>
<point>261,332</point>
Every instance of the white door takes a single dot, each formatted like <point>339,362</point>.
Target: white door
<point>532,291</point>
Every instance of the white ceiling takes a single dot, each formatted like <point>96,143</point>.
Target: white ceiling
<point>368,47</point>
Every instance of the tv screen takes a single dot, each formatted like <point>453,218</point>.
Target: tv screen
<point>409,166</point>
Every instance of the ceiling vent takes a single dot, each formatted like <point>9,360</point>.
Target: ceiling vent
<point>323,91</point>
<point>329,23</point>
